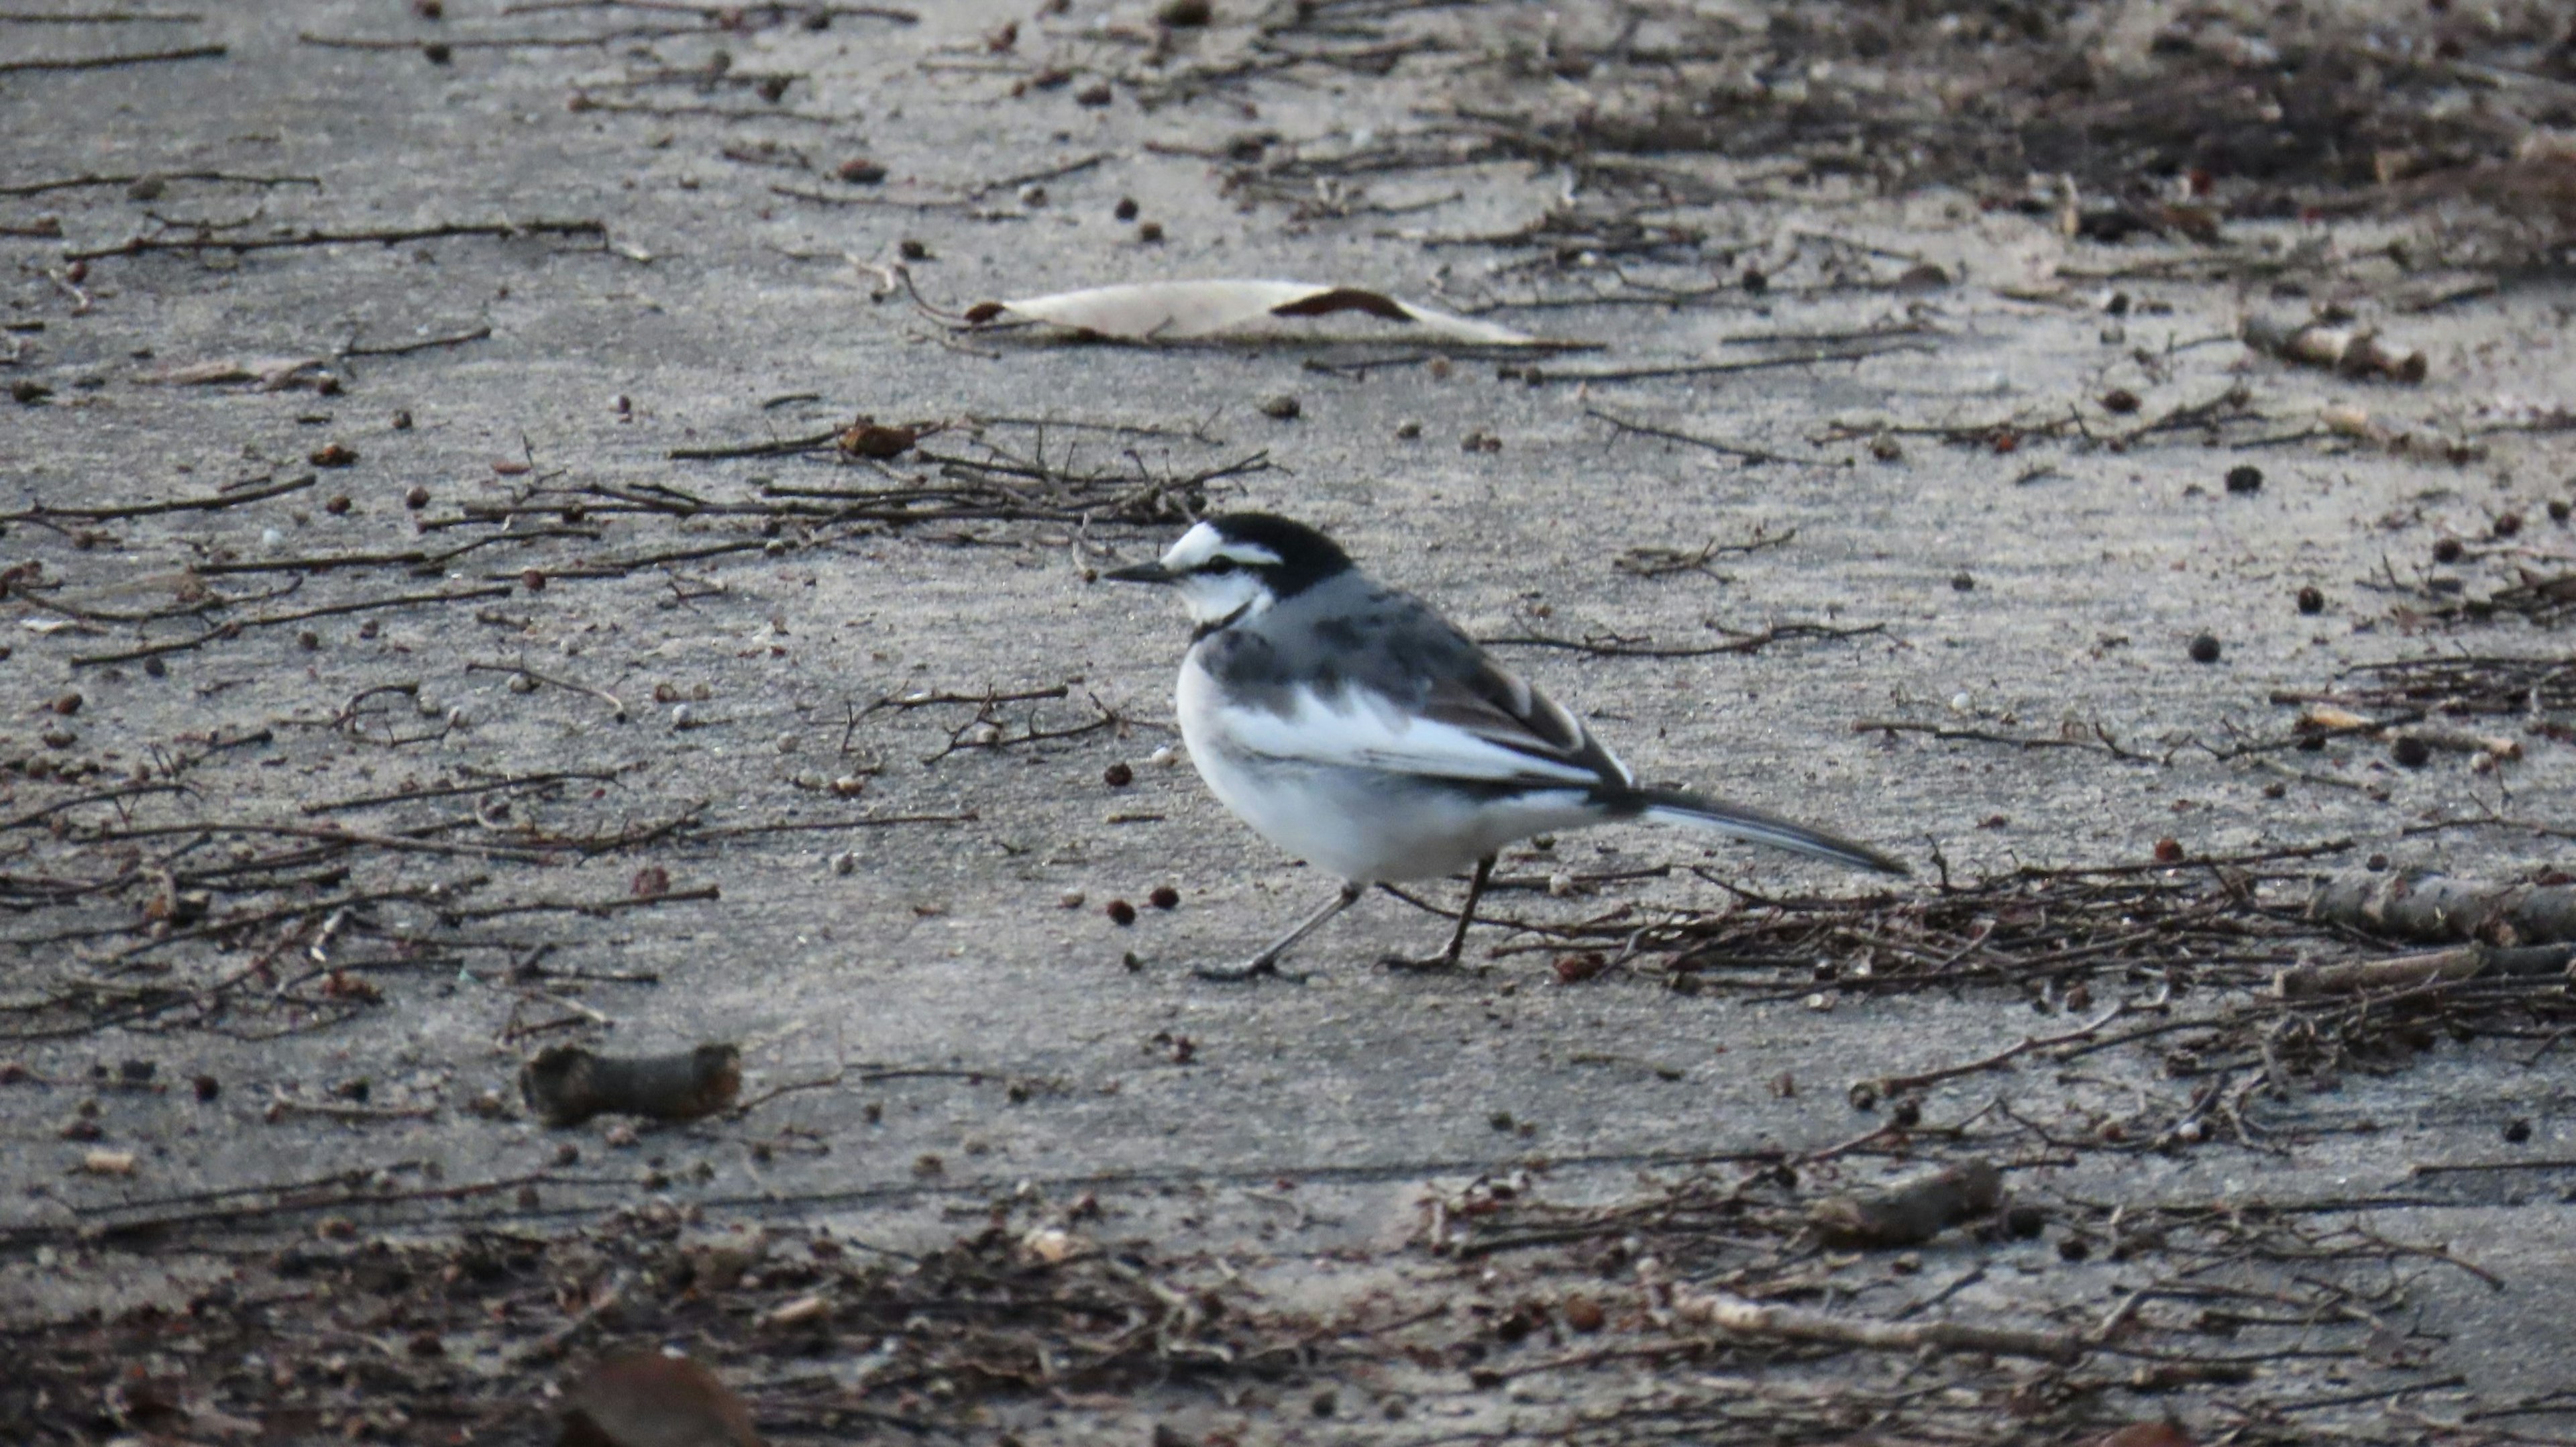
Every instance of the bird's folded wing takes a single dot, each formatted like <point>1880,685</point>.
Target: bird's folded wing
<point>1489,728</point>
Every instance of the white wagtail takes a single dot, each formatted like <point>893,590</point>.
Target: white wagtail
<point>1352,725</point>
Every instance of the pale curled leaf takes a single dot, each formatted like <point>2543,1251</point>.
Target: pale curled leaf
<point>1180,310</point>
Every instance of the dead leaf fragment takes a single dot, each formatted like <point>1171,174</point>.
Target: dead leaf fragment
<point>1160,311</point>
<point>1911,1212</point>
<point>655,1401</point>
<point>108,1163</point>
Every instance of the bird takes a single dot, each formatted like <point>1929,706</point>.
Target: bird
<point>1352,725</point>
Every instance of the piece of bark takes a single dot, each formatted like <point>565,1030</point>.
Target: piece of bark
<point>2415,904</point>
<point>1909,1212</point>
<point>2464,962</point>
<point>566,1084</point>
<point>650,1400</point>
<point>2351,351</point>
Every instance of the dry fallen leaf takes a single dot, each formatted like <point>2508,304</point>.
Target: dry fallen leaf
<point>1157,311</point>
<point>655,1401</point>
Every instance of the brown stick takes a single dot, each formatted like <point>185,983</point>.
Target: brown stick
<point>2406,972</point>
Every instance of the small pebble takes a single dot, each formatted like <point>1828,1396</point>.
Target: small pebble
<point>1283,407</point>
<point>1126,208</point>
<point>1070,899</point>
<point>2410,752</point>
<point>2559,510</point>
<point>338,505</point>
<point>1118,775</point>
<point>1165,757</point>
<point>1121,913</point>
<point>845,862</point>
<point>1408,430</point>
<point>402,421</point>
<point>1164,897</point>
<point>2310,600</point>
<point>683,717</point>
<point>2244,477</point>
<point>1150,233</point>
<point>2447,550</point>
<point>1965,583</point>
<point>532,580</point>
<point>2508,524</point>
<point>2120,399</point>
<point>2204,649</point>
<point>417,498</point>
<point>860,171</point>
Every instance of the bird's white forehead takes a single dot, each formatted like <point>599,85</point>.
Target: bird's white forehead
<point>1203,542</point>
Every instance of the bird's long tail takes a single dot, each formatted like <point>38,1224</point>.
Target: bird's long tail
<point>1672,806</point>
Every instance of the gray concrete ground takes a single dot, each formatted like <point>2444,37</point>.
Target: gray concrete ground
<point>714,310</point>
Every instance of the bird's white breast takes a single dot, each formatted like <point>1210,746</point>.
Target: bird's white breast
<point>1360,822</point>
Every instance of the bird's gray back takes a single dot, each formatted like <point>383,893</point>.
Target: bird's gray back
<point>1343,631</point>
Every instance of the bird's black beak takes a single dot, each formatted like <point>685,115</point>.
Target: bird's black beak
<point>1142,573</point>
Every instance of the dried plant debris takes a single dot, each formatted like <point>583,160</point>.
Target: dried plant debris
<point>467,1336</point>
<point>2166,121</point>
<point>566,1085</point>
<point>2342,348</point>
<point>2185,953</point>
<point>1714,1268</point>
<point>1909,1213</point>
<point>1171,311</point>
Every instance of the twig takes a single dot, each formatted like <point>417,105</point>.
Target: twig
<point>1735,643</point>
<point>235,498</point>
<point>103,62</point>
<point>238,627</point>
<point>1889,1086</point>
<point>1751,455</point>
<point>384,236</point>
<point>404,349</point>
<point>68,183</point>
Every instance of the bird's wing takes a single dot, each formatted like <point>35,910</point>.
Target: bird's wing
<point>1484,726</point>
<point>1500,708</point>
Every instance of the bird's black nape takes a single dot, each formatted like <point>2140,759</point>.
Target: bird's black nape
<point>1306,557</point>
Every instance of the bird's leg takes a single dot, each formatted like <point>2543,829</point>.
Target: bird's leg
<point>1448,959</point>
<point>1267,962</point>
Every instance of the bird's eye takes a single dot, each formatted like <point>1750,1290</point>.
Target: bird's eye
<point>1217,566</point>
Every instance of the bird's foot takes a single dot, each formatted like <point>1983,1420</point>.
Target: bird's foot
<point>1248,971</point>
<point>1420,964</point>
